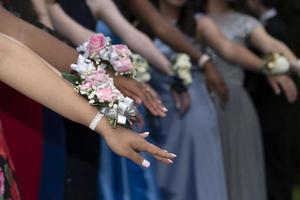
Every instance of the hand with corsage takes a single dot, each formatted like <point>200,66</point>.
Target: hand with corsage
<point>181,79</point>
<point>105,75</point>
<point>275,64</point>
<point>214,80</point>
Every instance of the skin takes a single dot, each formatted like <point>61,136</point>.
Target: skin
<point>264,42</point>
<point>43,44</point>
<point>209,34</point>
<point>107,11</point>
<point>103,9</point>
<point>25,71</point>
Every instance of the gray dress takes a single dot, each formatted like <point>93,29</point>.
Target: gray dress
<point>240,130</point>
<point>198,171</point>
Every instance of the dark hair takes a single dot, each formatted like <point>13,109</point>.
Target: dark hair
<point>186,21</point>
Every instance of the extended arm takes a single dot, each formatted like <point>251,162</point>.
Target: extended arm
<point>209,33</point>
<point>23,70</point>
<point>136,40</point>
<point>61,56</point>
<point>267,44</point>
<point>46,46</point>
<point>66,26</point>
<point>171,35</point>
<point>40,8</point>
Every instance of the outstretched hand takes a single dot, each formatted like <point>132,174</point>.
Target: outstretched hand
<point>141,93</point>
<point>128,144</point>
<point>180,95</point>
<point>215,83</point>
<point>286,84</point>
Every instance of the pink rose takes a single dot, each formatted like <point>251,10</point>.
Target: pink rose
<point>86,86</point>
<point>120,58</point>
<point>96,43</point>
<point>97,77</point>
<point>121,49</point>
<point>2,181</point>
<point>105,94</point>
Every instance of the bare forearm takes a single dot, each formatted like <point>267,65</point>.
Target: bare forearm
<point>280,47</point>
<point>162,28</point>
<point>240,55</point>
<point>137,41</point>
<point>27,73</point>
<point>46,46</point>
<point>40,8</point>
<point>66,26</point>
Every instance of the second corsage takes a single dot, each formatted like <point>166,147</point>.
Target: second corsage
<point>92,81</point>
<point>182,67</point>
<point>275,64</point>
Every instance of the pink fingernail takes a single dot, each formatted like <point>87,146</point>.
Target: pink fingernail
<point>165,109</point>
<point>173,155</point>
<point>146,134</point>
<point>146,163</point>
<point>171,161</point>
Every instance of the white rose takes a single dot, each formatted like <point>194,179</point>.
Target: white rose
<point>83,65</point>
<point>185,76</point>
<point>144,78</point>
<point>281,65</point>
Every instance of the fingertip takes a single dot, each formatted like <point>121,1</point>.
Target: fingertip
<point>146,163</point>
<point>173,155</point>
<point>145,134</point>
<point>165,109</point>
<point>170,161</point>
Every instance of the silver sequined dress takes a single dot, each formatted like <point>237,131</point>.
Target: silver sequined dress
<point>239,125</point>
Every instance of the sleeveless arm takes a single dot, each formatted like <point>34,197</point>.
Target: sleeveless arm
<point>66,26</point>
<point>61,56</point>
<point>167,33</point>
<point>268,44</point>
<point>233,52</point>
<point>26,72</point>
<point>40,8</point>
<point>136,40</point>
<point>42,43</point>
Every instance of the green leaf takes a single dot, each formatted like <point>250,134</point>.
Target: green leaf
<point>2,198</point>
<point>74,79</point>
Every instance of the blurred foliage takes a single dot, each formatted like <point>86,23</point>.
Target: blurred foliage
<point>290,13</point>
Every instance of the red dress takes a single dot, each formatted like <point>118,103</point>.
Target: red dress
<point>22,126</point>
<point>8,185</point>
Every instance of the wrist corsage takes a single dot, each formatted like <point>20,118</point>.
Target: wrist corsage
<point>92,81</point>
<point>275,64</point>
<point>182,67</point>
<point>142,68</point>
<point>116,58</point>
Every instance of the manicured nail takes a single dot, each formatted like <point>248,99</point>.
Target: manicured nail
<point>146,163</point>
<point>170,161</point>
<point>146,134</point>
<point>166,151</point>
<point>173,155</point>
<point>165,109</point>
